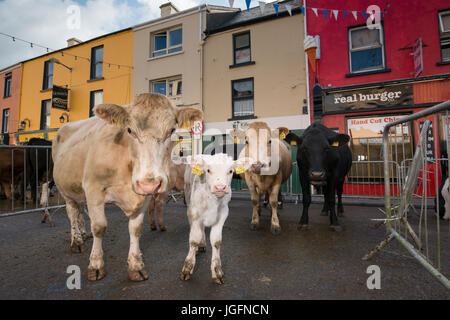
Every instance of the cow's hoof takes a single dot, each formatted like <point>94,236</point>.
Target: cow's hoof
<point>96,274</point>
<point>254,226</point>
<point>185,276</point>
<point>78,248</point>
<point>152,227</point>
<point>87,236</point>
<point>336,228</point>
<point>201,249</point>
<point>219,279</point>
<point>324,213</point>
<point>162,228</point>
<point>303,227</point>
<point>140,275</point>
<point>276,230</point>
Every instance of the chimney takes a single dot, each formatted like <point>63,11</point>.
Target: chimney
<point>73,41</point>
<point>167,9</point>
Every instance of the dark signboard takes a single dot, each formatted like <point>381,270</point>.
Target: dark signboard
<point>60,97</point>
<point>368,98</point>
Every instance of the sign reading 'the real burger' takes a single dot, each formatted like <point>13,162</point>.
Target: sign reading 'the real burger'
<point>369,98</point>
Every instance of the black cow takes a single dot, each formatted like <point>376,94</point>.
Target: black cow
<point>38,161</point>
<point>324,159</point>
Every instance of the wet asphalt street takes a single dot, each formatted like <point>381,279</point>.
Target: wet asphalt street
<point>313,264</point>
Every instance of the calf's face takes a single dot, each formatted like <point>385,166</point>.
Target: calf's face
<point>147,127</point>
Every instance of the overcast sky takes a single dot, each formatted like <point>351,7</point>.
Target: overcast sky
<point>47,22</point>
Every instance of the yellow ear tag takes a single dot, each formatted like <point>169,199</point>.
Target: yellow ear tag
<point>236,140</point>
<point>196,170</point>
<point>335,144</point>
<point>240,170</point>
<point>282,136</point>
<point>293,143</point>
<point>115,123</point>
<point>187,125</point>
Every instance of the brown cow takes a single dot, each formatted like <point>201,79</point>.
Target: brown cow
<point>177,184</point>
<point>121,156</point>
<point>7,173</point>
<point>271,168</point>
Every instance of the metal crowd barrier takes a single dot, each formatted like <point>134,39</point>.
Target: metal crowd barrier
<point>16,184</point>
<point>419,231</point>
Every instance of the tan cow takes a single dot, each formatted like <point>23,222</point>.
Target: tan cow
<point>272,166</point>
<point>177,184</point>
<point>121,156</point>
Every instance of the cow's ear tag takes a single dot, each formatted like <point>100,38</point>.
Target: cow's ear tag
<point>197,171</point>
<point>236,140</point>
<point>240,169</point>
<point>115,122</point>
<point>187,125</point>
<point>335,144</point>
<point>293,143</point>
<point>282,135</point>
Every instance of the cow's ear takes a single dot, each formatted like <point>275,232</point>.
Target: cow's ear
<point>280,133</point>
<point>113,114</point>
<point>187,116</point>
<point>339,140</point>
<point>293,139</point>
<point>237,134</point>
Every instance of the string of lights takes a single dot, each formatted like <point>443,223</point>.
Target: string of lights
<point>49,50</point>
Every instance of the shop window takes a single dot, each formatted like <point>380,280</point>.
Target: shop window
<point>366,144</point>
<point>243,98</point>
<point>241,47</point>
<point>97,63</point>
<point>95,99</point>
<point>45,114</point>
<point>48,75</point>
<point>444,35</point>
<point>167,42</point>
<point>366,49</point>
<point>7,90</point>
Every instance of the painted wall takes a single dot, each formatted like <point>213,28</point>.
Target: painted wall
<point>12,102</point>
<point>404,22</point>
<point>279,74</point>
<point>186,63</point>
<point>117,84</point>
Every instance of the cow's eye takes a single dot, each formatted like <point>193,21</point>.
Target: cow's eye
<point>270,141</point>
<point>209,171</point>
<point>230,172</point>
<point>131,133</point>
<point>246,141</point>
<point>172,131</point>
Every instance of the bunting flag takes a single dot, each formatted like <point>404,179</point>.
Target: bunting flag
<point>289,9</point>
<point>345,14</point>
<point>262,6</point>
<point>303,10</point>
<point>335,12</point>
<point>315,11</point>
<point>231,2</point>
<point>276,5</point>
<point>364,15</point>
<point>325,13</point>
<point>355,15</point>
<point>247,2</point>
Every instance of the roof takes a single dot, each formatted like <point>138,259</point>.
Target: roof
<point>254,15</point>
<point>10,68</point>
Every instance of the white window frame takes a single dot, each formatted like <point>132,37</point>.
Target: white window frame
<point>167,81</point>
<point>168,47</point>
<point>441,24</point>
<point>351,50</point>
<point>5,120</point>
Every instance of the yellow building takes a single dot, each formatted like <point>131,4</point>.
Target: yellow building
<point>96,71</point>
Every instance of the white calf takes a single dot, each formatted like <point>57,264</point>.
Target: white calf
<point>446,195</point>
<point>207,188</point>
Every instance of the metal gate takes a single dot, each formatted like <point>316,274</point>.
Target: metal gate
<point>408,215</point>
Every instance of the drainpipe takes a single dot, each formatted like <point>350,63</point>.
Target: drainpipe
<point>307,69</point>
<point>197,144</point>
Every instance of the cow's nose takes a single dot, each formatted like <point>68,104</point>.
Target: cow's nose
<point>149,186</point>
<point>256,167</point>
<point>220,188</point>
<point>317,175</point>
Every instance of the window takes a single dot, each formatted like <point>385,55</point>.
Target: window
<point>7,91</point>
<point>241,46</point>
<point>172,88</point>
<point>5,121</point>
<point>444,35</point>
<point>45,114</point>
<point>242,96</point>
<point>366,49</point>
<point>166,42</point>
<point>96,99</point>
<point>48,75</point>
<point>97,63</point>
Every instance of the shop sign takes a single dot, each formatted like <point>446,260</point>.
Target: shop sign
<point>60,97</point>
<point>369,98</point>
<point>372,127</point>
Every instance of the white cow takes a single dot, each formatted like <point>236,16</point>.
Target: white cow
<point>446,195</point>
<point>207,187</point>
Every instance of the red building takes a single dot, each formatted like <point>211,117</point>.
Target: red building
<point>10,83</point>
<point>365,77</point>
